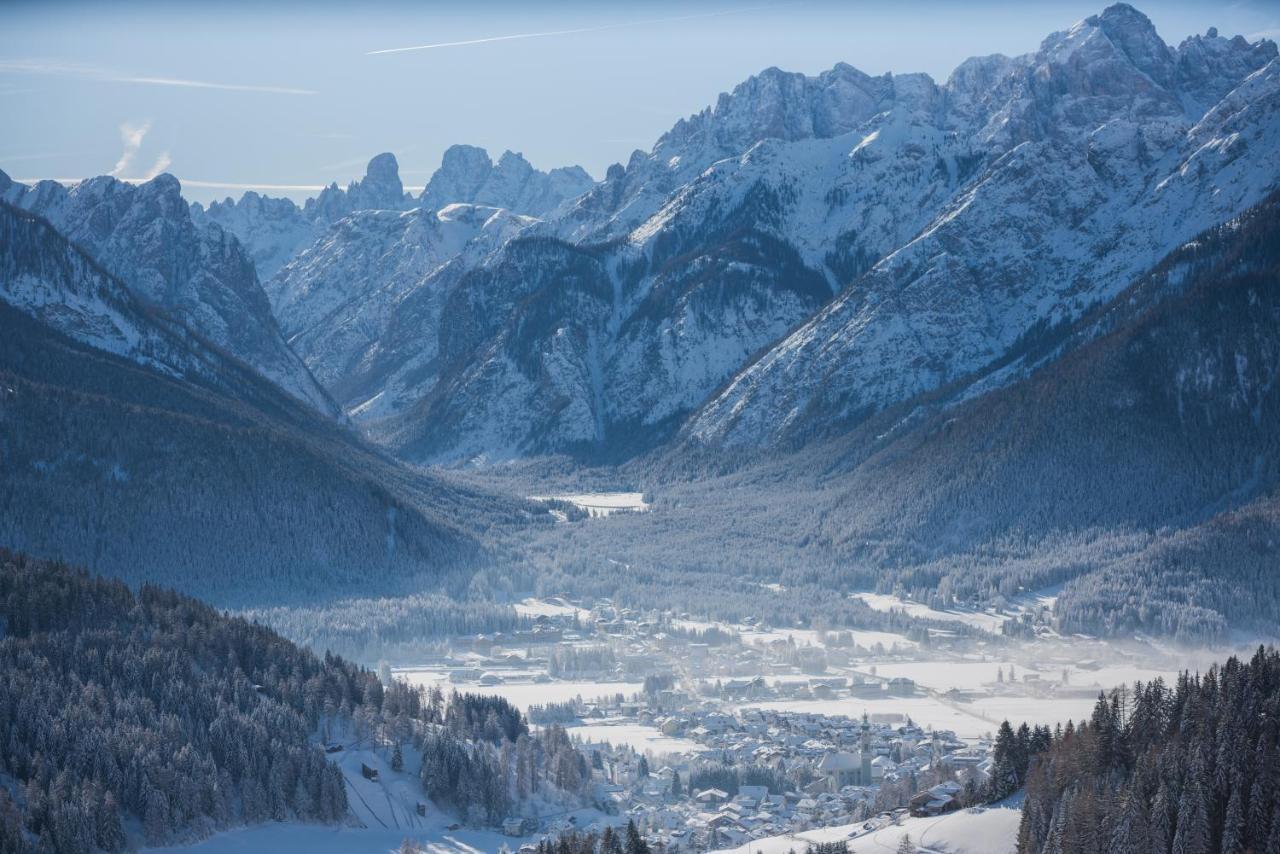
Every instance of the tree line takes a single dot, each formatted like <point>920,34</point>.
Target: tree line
<point>1192,768</point>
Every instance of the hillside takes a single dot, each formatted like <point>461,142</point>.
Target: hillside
<point>153,718</point>
<point>1184,767</point>
<point>181,465</point>
<point>1134,450</point>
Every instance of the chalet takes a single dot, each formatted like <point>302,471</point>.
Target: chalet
<point>936,800</point>
<point>901,686</point>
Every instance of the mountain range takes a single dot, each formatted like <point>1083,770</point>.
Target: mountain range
<point>806,253</point>
<point>1034,302</point>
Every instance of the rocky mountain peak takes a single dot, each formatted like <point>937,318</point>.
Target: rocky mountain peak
<point>380,189</point>
<point>382,182</point>
<point>1136,36</point>
<point>468,175</point>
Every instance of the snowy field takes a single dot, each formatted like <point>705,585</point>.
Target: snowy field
<point>522,695</point>
<point>980,619</point>
<point>553,607</point>
<point>812,637</point>
<point>643,739</point>
<point>864,638</point>
<point>290,838</point>
<point>385,811</point>
<point>601,503</point>
<point>981,831</point>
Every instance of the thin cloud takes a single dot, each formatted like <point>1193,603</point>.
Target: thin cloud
<point>224,185</point>
<point>574,31</point>
<point>204,185</point>
<point>107,75</point>
<point>161,164</point>
<point>131,135</point>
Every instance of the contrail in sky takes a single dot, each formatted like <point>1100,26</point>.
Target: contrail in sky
<point>571,32</point>
<point>57,69</point>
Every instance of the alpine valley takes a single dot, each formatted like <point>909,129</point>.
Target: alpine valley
<point>981,362</point>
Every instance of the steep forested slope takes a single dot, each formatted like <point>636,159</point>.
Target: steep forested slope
<point>1189,768</point>
<point>153,718</point>
<point>189,468</point>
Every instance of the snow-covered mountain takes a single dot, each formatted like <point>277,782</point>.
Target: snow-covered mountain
<point>134,445</point>
<point>274,230</point>
<point>949,221</point>
<point>466,174</point>
<point>1085,163</point>
<point>144,236</point>
<point>362,304</point>
<point>807,252</point>
<point>46,277</point>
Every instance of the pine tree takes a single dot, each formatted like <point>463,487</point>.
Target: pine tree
<point>635,843</point>
<point>397,758</point>
<point>1132,833</point>
<point>1004,776</point>
<point>1233,824</point>
<point>1192,835</point>
<point>906,846</point>
<point>1273,839</point>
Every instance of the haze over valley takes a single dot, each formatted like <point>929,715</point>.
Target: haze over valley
<point>873,461</point>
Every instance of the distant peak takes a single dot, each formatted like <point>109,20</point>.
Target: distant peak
<point>1134,34</point>
<point>383,167</point>
<point>512,158</point>
<point>165,183</point>
<point>461,154</point>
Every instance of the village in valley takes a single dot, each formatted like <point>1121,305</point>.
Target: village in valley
<point>710,736</point>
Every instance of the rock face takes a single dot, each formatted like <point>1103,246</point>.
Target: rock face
<point>138,447</point>
<point>144,236</point>
<point>1086,162</point>
<point>807,252</point>
<point>363,303</point>
<point>948,221</point>
<point>467,175</point>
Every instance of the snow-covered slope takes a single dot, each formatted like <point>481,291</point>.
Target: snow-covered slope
<point>144,236</point>
<point>949,220</point>
<point>52,281</point>
<point>362,305</point>
<point>1095,159</point>
<point>274,230</point>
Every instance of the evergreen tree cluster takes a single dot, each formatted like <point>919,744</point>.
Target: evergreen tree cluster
<point>483,761</point>
<point>1188,769</point>
<point>155,709</point>
<point>393,627</point>
<point>609,841</point>
<point>570,661</point>
<point>1012,757</point>
<point>730,778</point>
<point>154,706</point>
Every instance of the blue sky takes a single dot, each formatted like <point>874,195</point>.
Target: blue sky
<point>286,97</point>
